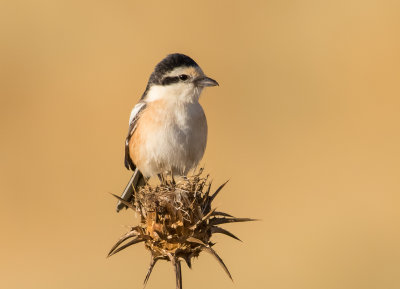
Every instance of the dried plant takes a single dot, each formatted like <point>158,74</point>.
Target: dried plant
<point>177,222</point>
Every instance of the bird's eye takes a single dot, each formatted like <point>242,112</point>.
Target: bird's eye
<point>183,77</point>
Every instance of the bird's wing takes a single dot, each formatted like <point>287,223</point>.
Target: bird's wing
<point>135,115</point>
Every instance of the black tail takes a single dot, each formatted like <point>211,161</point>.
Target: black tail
<point>136,181</point>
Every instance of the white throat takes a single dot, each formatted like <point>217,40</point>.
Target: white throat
<point>178,92</point>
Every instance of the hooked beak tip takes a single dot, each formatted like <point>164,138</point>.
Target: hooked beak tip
<point>205,81</point>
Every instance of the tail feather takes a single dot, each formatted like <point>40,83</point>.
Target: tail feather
<point>128,194</point>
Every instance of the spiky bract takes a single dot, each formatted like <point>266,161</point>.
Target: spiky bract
<point>177,222</point>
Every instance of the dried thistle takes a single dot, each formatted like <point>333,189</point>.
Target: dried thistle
<point>177,222</point>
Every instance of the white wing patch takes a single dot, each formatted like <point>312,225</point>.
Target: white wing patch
<point>135,111</point>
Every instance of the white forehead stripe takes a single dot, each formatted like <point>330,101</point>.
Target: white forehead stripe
<point>185,70</point>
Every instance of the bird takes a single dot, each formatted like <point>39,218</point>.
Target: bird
<point>167,127</point>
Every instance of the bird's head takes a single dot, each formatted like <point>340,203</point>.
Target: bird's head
<point>177,77</point>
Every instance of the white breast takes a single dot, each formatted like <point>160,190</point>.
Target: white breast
<point>176,138</point>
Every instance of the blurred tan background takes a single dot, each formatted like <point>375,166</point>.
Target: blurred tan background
<point>305,124</point>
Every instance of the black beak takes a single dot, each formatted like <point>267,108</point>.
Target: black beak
<point>204,81</point>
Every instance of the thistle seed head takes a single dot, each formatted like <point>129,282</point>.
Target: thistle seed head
<point>177,222</point>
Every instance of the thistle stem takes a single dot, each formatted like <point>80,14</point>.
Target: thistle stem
<point>178,274</point>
